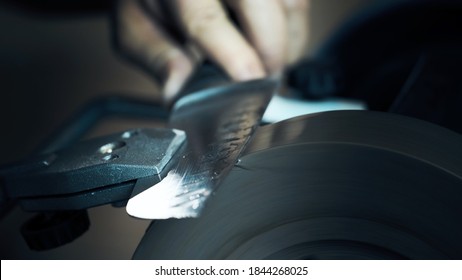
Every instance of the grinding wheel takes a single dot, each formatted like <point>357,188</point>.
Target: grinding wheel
<point>334,185</point>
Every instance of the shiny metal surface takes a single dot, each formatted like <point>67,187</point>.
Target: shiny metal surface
<point>218,123</point>
<point>91,173</point>
<point>335,185</point>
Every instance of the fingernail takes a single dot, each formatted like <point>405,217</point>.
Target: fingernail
<point>248,72</point>
<point>172,86</point>
<point>179,68</point>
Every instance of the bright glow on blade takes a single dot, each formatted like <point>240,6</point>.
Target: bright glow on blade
<point>282,108</point>
<point>218,122</point>
<point>168,199</point>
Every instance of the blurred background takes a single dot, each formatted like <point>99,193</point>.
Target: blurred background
<point>55,56</point>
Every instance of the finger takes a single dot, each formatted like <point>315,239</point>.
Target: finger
<point>264,23</point>
<point>205,22</point>
<point>297,13</point>
<point>144,41</point>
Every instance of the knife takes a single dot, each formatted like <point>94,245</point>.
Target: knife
<point>218,117</point>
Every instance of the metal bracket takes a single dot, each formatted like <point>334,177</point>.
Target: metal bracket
<point>93,172</point>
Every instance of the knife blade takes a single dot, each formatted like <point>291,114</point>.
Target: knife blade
<point>218,122</point>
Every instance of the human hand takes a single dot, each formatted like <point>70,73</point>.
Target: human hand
<point>168,38</point>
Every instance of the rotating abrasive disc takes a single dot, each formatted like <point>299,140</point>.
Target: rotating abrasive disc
<point>337,185</point>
